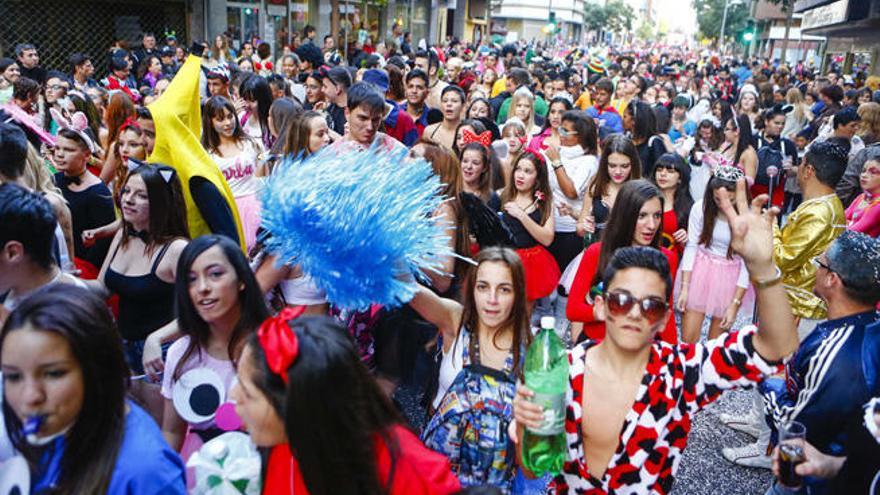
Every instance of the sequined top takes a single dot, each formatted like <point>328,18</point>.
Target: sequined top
<point>808,233</point>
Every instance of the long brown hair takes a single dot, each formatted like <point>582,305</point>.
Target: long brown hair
<point>485,186</point>
<point>542,185</point>
<point>214,107</point>
<point>118,111</point>
<point>518,321</point>
<point>297,141</point>
<point>615,143</point>
<point>447,169</point>
<point>711,210</point>
<point>622,220</point>
<point>167,207</point>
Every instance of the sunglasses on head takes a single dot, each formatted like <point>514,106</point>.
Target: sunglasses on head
<point>652,308</point>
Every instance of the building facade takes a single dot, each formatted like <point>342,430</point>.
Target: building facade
<point>770,36</point>
<point>524,19</point>
<point>852,30</point>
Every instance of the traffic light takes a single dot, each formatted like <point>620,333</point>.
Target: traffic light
<point>748,33</point>
<point>552,26</point>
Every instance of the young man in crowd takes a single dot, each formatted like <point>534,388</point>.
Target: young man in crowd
<point>81,71</point>
<point>29,62</point>
<point>835,369</point>
<point>516,79</point>
<point>606,116</point>
<point>27,261</point>
<point>627,419</point>
<point>218,81</point>
<point>335,85</point>
<point>416,94</point>
<point>807,233</point>
<point>364,114</point>
<point>428,62</point>
<point>398,123</point>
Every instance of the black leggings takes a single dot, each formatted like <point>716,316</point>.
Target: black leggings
<point>564,248</point>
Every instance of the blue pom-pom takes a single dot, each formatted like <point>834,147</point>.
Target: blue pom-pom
<point>358,222</point>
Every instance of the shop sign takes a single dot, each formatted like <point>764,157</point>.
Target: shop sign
<point>826,15</point>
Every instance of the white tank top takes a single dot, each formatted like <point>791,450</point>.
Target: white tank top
<point>302,291</point>
<point>450,365</point>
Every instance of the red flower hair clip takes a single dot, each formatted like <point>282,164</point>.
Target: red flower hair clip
<point>539,196</point>
<point>279,341</point>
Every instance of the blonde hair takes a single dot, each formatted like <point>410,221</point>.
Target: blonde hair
<point>515,99</point>
<point>36,176</point>
<point>801,110</point>
<point>870,115</point>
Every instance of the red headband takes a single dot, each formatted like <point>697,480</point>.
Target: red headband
<point>129,122</point>
<point>484,138</point>
<point>279,342</point>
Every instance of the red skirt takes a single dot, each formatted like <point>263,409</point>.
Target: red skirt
<point>542,273</point>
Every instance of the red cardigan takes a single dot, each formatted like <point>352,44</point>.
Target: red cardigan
<point>578,309</point>
<point>419,470</point>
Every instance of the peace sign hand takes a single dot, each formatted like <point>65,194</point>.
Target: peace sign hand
<point>751,228</point>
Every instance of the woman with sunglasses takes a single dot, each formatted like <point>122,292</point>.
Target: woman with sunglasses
<point>571,166</point>
<point>713,279</point>
<point>549,134</point>
<point>320,437</point>
<point>672,176</point>
<point>635,220</point>
<point>708,139</point>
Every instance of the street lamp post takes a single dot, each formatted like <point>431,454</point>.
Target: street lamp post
<point>727,5</point>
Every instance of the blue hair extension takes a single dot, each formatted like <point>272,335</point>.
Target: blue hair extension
<point>358,223</point>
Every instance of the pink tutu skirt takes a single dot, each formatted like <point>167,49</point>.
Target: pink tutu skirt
<point>713,283</point>
<point>249,214</point>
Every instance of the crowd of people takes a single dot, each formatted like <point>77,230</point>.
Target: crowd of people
<point>651,197</point>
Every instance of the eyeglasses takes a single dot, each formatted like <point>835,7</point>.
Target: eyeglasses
<point>652,308</point>
<point>668,168</point>
<point>55,87</point>
<point>820,264</point>
<point>563,132</point>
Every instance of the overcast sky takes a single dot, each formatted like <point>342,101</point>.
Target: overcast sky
<point>677,14</point>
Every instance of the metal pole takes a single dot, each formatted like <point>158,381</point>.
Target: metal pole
<point>723,25</point>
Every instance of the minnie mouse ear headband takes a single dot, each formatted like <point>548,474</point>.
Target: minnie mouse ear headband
<point>279,342</point>
<point>78,123</point>
<point>728,173</point>
<point>484,138</point>
<point>778,109</point>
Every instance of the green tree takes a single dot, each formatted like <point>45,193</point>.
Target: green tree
<point>619,16</point>
<point>711,12</point>
<point>594,16</point>
<point>645,31</point>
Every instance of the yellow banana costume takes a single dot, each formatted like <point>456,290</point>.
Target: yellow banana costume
<point>177,115</point>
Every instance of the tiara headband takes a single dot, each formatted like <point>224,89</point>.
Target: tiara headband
<point>728,173</point>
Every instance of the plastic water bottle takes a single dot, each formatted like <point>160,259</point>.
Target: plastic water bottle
<point>546,374</point>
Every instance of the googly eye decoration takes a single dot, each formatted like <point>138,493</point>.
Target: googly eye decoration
<point>15,477</point>
<point>198,394</point>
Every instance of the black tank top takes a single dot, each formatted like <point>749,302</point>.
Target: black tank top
<point>146,302</point>
<point>600,214</point>
<point>521,236</point>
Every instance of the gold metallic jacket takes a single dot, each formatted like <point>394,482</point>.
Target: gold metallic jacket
<point>810,229</point>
